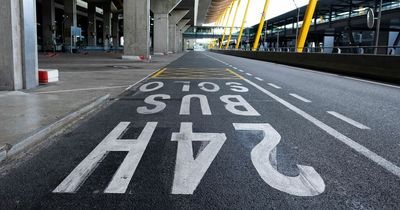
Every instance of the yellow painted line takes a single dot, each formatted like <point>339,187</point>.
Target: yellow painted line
<point>191,78</point>
<point>158,73</point>
<point>234,73</point>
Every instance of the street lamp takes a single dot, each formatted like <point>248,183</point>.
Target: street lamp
<point>298,19</point>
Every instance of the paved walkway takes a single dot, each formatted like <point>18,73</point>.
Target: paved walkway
<point>83,78</point>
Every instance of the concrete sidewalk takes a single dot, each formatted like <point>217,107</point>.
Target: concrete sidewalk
<point>83,79</point>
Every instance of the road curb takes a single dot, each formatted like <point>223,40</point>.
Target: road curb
<point>9,151</point>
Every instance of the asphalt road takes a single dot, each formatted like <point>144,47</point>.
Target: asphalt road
<point>215,131</point>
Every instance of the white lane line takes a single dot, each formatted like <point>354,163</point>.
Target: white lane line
<point>392,168</point>
<point>249,74</point>
<point>274,86</point>
<point>300,98</point>
<point>348,120</point>
<point>241,70</point>
<point>259,79</point>
<point>235,68</point>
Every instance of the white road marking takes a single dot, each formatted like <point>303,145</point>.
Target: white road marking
<point>189,170</point>
<point>259,79</point>
<point>274,86</point>
<point>145,87</point>
<point>249,74</point>
<point>185,106</point>
<point>389,166</point>
<point>307,183</point>
<point>237,87</point>
<point>215,87</point>
<point>241,70</point>
<point>111,143</point>
<point>300,98</point>
<point>235,68</point>
<point>348,120</point>
<point>186,85</point>
<point>238,101</point>
<point>159,105</point>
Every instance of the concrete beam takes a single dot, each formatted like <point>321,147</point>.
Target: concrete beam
<point>163,6</point>
<point>177,15</point>
<point>185,28</point>
<point>136,29</point>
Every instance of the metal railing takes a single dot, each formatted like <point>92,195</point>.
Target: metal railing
<point>359,50</point>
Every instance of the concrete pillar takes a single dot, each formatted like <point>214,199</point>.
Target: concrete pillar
<point>70,15</point>
<point>178,41</point>
<point>161,34</point>
<point>183,30</point>
<point>106,23</point>
<point>18,60</point>
<point>161,10</point>
<point>136,29</point>
<point>115,30</point>
<point>92,26</point>
<point>174,18</point>
<point>48,24</point>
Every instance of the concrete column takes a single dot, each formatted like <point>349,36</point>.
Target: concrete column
<point>136,29</point>
<point>106,23</point>
<point>115,30</point>
<point>184,29</point>
<point>70,14</point>
<point>92,26</point>
<point>161,10</point>
<point>18,60</point>
<point>161,33</point>
<point>174,18</point>
<point>48,24</point>
<point>178,41</point>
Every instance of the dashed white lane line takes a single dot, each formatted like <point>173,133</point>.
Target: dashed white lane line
<point>300,98</point>
<point>234,68</point>
<point>274,86</point>
<point>259,79</point>
<point>389,166</point>
<point>249,74</point>
<point>348,120</point>
<point>241,70</point>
